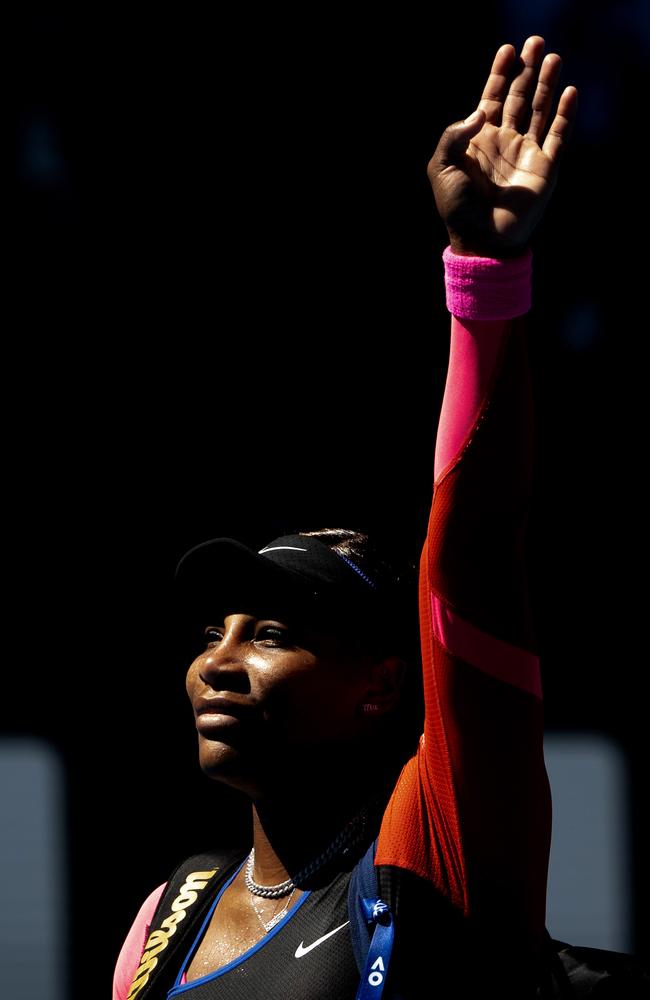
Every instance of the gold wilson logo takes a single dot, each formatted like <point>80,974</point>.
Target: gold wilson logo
<point>159,939</point>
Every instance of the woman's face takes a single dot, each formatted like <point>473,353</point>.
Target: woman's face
<point>268,694</point>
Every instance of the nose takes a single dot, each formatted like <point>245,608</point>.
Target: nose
<point>223,666</point>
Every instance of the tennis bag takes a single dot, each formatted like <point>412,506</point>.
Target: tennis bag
<point>569,972</point>
<point>376,902</point>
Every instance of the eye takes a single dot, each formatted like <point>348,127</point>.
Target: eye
<point>212,635</point>
<point>278,636</point>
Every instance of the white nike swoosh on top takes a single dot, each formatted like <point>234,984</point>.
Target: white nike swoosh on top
<point>301,950</point>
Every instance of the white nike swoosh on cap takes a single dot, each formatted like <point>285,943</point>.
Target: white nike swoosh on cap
<point>274,548</point>
<point>301,950</point>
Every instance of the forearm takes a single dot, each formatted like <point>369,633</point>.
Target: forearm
<point>484,450</point>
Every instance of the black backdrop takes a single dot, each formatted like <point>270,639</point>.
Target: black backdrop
<point>230,320</point>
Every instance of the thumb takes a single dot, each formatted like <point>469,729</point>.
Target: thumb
<point>454,139</point>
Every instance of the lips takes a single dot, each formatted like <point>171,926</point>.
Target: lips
<point>218,711</point>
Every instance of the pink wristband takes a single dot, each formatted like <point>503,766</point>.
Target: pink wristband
<point>486,287</point>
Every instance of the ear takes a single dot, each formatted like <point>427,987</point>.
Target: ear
<point>385,679</point>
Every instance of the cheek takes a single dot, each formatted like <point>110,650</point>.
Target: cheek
<point>314,706</point>
<point>191,677</point>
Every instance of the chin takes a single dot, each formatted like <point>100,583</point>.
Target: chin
<point>224,763</point>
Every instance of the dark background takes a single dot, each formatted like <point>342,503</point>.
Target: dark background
<point>229,320</point>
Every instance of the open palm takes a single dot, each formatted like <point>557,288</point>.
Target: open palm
<point>493,174</point>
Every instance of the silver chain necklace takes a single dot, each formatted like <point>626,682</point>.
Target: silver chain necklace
<point>276,918</point>
<point>346,839</point>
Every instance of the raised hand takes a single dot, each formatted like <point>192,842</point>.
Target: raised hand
<point>493,174</point>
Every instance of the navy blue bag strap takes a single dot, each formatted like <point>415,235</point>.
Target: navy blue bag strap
<point>363,885</point>
<point>372,928</point>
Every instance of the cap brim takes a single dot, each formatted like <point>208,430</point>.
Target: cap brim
<point>223,576</point>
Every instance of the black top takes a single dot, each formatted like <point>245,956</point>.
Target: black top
<point>306,956</point>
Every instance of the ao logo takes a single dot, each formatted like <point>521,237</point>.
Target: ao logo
<point>376,976</point>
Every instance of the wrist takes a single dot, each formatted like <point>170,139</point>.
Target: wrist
<point>461,249</point>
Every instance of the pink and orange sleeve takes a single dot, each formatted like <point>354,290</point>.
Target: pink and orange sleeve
<point>471,810</point>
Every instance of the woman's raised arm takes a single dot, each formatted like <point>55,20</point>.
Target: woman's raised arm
<point>471,811</point>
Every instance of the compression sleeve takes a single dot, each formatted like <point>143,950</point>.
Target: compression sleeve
<point>470,811</point>
<point>131,951</point>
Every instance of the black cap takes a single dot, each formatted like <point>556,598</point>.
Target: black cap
<point>291,574</point>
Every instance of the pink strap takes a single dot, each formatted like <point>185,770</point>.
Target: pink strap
<point>487,288</point>
<point>493,656</point>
